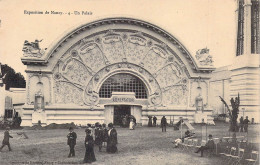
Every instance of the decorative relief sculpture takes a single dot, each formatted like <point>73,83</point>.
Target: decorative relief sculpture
<point>155,99</point>
<point>32,49</point>
<point>155,59</point>
<point>76,72</point>
<point>168,76</point>
<point>203,57</point>
<point>113,46</point>
<point>199,89</point>
<point>39,101</point>
<point>91,98</point>
<point>66,93</point>
<point>88,62</point>
<point>199,103</point>
<point>136,47</point>
<point>92,56</point>
<point>175,95</point>
<point>38,81</point>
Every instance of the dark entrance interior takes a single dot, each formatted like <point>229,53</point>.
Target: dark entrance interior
<point>121,111</point>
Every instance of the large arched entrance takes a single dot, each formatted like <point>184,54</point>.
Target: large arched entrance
<point>77,70</point>
<point>125,90</point>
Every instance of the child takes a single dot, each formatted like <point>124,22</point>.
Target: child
<point>6,139</point>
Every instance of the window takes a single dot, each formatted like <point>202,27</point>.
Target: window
<point>123,83</point>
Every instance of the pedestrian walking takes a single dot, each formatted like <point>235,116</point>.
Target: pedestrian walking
<point>6,139</point>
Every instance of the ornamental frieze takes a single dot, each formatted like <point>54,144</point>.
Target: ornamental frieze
<point>91,61</point>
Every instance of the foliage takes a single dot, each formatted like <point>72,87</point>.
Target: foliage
<point>233,114</point>
<point>13,123</point>
<point>12,79</point>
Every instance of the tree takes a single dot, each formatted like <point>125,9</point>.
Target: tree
<point>233,114</point>
<point>12,78</point>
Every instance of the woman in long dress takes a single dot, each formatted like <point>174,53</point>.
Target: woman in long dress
<point>89,144</point>
<point>132,124</point>
<point>112,139</point>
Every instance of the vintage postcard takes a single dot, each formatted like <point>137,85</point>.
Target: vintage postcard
<point>129,82</point>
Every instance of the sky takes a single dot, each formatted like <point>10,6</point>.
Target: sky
<point>195,23</point>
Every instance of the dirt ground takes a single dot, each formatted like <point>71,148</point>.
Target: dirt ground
<point>142,146</point>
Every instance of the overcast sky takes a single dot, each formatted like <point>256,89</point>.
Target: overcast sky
<point>195,23</point>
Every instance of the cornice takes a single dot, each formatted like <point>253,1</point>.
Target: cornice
<point>114,21</point>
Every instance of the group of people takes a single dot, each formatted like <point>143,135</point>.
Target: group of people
<point>243,124</point>
<point>95,134</point>
<point>128,121</point>
<point>154,124</point>
<point>152,121</point>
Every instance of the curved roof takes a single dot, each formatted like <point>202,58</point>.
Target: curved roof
<point>56,46</point>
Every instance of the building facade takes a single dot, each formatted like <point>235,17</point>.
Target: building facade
<point>105,69</point>
<point>243,75</point>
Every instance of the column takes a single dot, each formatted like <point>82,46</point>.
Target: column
<point>247,27</point>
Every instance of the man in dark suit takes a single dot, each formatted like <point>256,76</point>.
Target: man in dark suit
<point>163,123</point>
<point>246,121</point>
<point>72,136</point>
<point>154,121</point>
<point>209,145</point>
<point>112,139</point>
<point>6,139</point>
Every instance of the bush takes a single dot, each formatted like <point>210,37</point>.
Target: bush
<point>60,126</point>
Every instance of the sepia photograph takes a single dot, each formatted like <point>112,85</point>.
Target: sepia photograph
<point>140,82</point>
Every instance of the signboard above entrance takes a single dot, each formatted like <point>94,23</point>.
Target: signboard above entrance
<point>123,97</point>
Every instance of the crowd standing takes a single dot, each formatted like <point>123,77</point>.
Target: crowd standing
<point>100,135</point>
<point>243,124</point>
<point>96,134</point>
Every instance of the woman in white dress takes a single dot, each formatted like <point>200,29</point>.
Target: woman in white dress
<point>131,124</point>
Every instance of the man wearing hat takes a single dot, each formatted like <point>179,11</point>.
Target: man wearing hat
<point>163,123</point>
<point>72,136</point>
<point>112,139</point>
<point>209,145</point>
<point>6,139</point>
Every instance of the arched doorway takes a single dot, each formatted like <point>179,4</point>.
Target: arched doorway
<point>124,90</point>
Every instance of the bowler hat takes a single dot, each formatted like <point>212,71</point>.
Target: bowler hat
<point>210,135</point>
<point>70,128</point>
